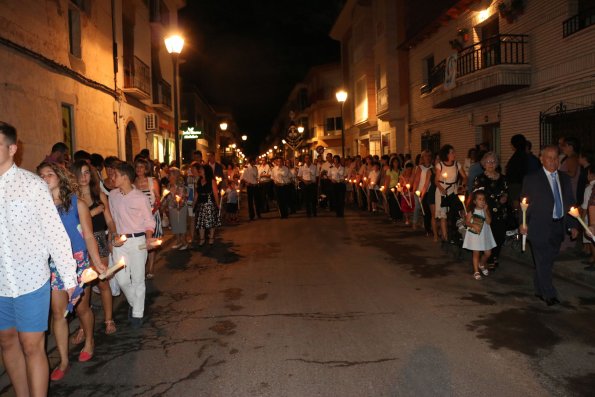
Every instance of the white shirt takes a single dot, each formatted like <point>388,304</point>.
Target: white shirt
<point>373,177</point>
<point>308,173</point>
<point>326,166</point>
<point>30,231</point>
<point>337,174</point>
<point>588,190</point>
<point>264,173</point>
<point>250,175</point>
<point>281,175</point>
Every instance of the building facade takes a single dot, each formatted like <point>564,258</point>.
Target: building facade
<point>374,71</point>
<point>93,74</point>
<point>483,71</point>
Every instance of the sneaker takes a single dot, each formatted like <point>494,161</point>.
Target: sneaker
<point>136,322</point>
<point>183,247</point>
<point>176,246</point>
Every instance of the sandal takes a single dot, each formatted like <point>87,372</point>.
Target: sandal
<point>484,270</point>
<point>477,276</point>
<point>110,327</point>
<point>78,337</point>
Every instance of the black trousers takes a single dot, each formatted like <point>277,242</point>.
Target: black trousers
<point>282,193</point>
<point>266,195</point>
<point>292,197</point>
<point>393,207</point>
<point>339,189</point>
<point>544,253</point>
<point>254,203</point>
<point>310,198</point>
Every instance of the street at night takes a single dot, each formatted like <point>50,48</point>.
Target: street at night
<point>340,307</point>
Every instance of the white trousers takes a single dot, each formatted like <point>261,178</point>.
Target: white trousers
<point>132,278</point>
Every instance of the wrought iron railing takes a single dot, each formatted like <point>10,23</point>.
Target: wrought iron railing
<point>137,74</point>
<point>580,21</point>
<point>503,49</point>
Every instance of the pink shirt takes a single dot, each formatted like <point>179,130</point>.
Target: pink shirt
<point>131,212</point>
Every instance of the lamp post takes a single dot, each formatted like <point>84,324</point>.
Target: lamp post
<point>341,98</point>
<point>174,44</point>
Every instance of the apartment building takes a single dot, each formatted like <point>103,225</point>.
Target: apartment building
<point>374,73</point>
<point>93,74</point>
<point>311,108</point>
<point>482,71</point>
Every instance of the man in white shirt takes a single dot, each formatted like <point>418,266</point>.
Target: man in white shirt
<point>265,184</point>
<point>337,178</point>
<point>326,187</point>
<point>30,231</point>
<point>282,179</point>
<point>250,179</point>
<point>308,177</point>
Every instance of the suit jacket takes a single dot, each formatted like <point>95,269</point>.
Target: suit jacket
<point>537,189</point>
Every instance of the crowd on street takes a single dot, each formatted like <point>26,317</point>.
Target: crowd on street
<point>93,222</point>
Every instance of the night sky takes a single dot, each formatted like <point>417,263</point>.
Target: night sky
<point>246,56</point>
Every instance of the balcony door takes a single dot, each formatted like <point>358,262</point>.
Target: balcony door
<point>490,42</point>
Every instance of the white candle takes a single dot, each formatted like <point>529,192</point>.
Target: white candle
<point>462,198</point>
<point>574,212</point>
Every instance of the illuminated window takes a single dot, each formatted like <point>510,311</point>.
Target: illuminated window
<point>361,100</point>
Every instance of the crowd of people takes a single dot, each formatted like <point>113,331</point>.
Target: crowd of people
<point>90,212</point>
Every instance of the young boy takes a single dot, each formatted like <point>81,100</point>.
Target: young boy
<point>231,195</point>
<point>133,218</point>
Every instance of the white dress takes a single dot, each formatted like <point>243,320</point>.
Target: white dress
<point>482,241</point>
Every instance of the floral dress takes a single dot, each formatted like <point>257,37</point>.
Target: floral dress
<point>207,211</point>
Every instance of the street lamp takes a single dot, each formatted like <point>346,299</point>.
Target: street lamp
<point>174,44</point>
<point>244,137</point>
<point>223,126</point>
<point>341,98</point>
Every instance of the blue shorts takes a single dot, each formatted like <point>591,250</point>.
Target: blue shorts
<point>26,313</point>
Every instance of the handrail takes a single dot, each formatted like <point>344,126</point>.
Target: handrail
<point>578,22</point>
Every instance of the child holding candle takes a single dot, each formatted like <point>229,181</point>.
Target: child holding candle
<point>231,198</point>
<point>479,236</point>
<point>175,208</point>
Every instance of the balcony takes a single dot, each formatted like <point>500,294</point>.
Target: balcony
<point>137,78</point>
<point>582,20</point>
<point>162,97</point>
<point>382,101</point>
<point>486,69</point>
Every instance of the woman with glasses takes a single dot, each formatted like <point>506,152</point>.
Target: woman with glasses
<point>495,186</point>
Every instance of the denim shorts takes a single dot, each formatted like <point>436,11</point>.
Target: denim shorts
<point>26,313</point>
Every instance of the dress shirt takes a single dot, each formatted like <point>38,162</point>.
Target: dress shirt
<point>549,181</point>
<point>281,175</point>
<point>337,174</point>
<point>326,167</point>
<point>308,173</point>
<point>131,212</point>
<point>30,231</point>
<point>264,173</point>
<point>250,175</point>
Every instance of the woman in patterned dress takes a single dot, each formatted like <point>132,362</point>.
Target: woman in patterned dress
<point>76,218</point>
<point>207,202</point>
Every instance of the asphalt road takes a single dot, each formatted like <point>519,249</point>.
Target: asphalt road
<point>340,307</point>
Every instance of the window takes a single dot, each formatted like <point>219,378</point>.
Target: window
<point>361,100</point>
<point>67,126</point>
<point>333,125</point>
<point>427,66</point>
<point>74,30</point>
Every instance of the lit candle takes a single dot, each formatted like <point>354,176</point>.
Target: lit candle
<point>154,244</point>
<point>574,212</point>
<point>445,175</point>
<point>421,207</point>
<point>524,207</point>
<point>462,198</point>
<point>164,193</point>
<point>121,263</point>
<point>408,186</point>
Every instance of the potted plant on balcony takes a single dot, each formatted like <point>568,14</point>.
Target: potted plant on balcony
<point>511,10</point>
<point>458,42</point>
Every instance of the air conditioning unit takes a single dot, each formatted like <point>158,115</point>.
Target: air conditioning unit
<point>151,122</point>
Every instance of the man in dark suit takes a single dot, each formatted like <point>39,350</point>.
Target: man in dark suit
<point>549,194</point>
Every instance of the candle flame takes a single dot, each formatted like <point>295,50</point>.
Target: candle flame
<point>445,174</point>
<point>418,193</point>
<point>407,185</point>
<point>462,198</point>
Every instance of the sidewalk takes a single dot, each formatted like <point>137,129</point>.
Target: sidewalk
<point>568,265</point>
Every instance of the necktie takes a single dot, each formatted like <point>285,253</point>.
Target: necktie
<point>558,213</point>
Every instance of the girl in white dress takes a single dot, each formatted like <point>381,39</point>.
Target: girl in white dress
<point>479,236</point>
